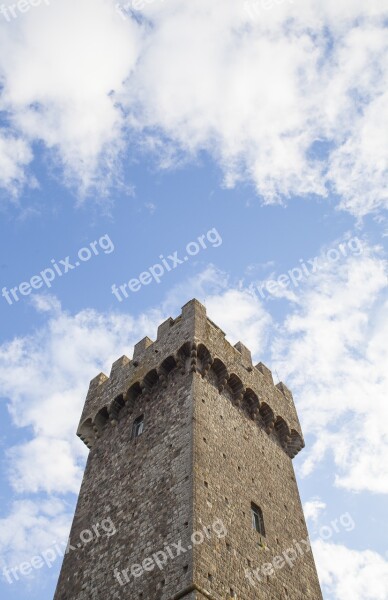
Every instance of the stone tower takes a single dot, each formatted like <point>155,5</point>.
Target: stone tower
<point>190,464</point>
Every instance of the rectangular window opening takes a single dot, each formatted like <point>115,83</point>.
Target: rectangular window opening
<point>257,519</point>
<point>138,426</point>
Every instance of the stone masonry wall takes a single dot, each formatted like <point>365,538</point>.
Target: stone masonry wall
<point>145,486</point>
<point>237,463</point>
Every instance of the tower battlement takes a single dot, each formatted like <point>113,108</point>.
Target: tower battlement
<point>193,344</point>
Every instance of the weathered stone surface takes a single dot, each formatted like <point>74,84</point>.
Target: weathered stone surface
<point>218,435</point>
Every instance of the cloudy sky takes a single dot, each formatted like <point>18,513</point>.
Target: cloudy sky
<point>128,133</point>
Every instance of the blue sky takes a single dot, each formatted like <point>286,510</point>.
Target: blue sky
<point>268,131</point>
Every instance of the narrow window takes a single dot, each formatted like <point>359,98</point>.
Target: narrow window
<point>138,426</point>
<point>257,519</point>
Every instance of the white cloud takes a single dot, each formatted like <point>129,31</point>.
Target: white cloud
<point>183,78</point>
<point>46,382</point>
<point>15,156</point>
<point>241,316</point>
<point>32,527</point>
<point>46,385</point>
<point>350,574</point>
<point>45,464</point>
<point>331,351</point>
<point>313,508</point>
<point>59,65</point>
<point>45,303</point>
<point>358,167</point>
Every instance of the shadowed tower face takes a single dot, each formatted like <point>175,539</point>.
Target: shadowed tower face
<point>189,490</point>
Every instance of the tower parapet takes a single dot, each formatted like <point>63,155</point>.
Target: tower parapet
<point>193,344</point>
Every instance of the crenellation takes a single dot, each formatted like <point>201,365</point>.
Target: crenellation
<point>265,371</point>
<point>121,362</point>
<point>193,310</point>
<point>140,348</point>
<point>285,391</point>
<point>146,356</point>
<point>96,382</point>
<point>95,395</point>
<point>209,351</point>
<point>245,354</point>
<point>165,328</point>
